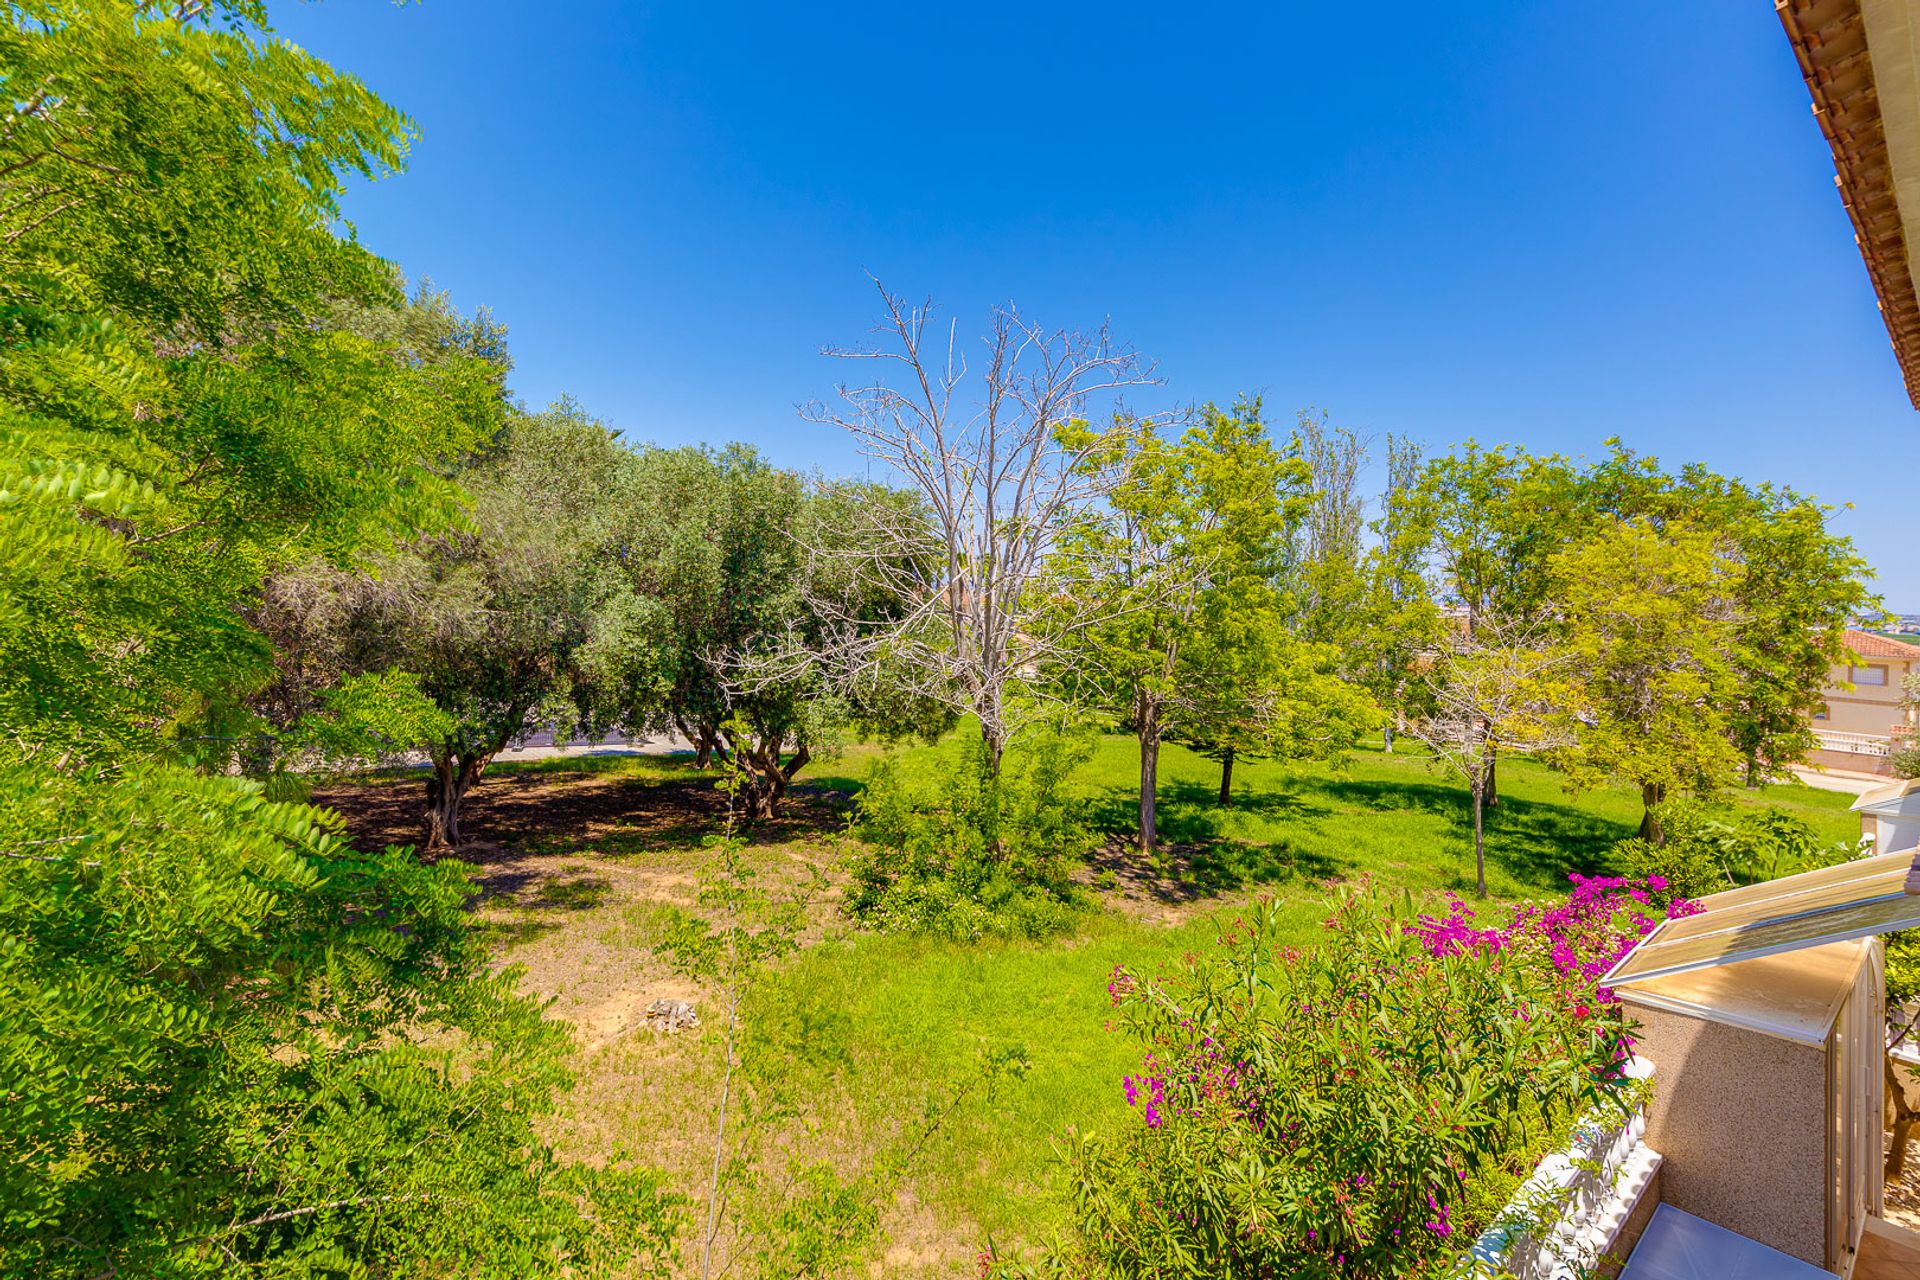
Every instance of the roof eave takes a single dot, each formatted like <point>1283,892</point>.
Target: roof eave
<point>1837,44</point>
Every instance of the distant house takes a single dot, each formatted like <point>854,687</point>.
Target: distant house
<point>1860,718</point>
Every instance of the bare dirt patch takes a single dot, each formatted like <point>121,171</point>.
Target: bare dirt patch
<point>583,875</point>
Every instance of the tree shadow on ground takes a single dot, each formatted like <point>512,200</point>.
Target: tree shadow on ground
<point>516,821</point>
<point>1537,842</point>
<point>1189,813</point>
<point>539,902</point>
<point>1196,858</point>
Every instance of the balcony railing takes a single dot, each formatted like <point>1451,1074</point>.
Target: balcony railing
<point>1858,744</point>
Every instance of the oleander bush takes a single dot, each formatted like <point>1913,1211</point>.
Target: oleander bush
<point>1335,1110</point>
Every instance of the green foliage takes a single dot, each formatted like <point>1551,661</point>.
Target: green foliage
<point>233,1045</point>
<point>1905,760</point>
<point>1903,970</point>
<point>1649,626</point>
<point>752,575</point>
<point>1704,612</point>
<point>1790,586</point>
<point>1319,1112</point>
<point>174,420</point>
<point>221,1057</point>
<point>1188,566</point>
<point>1709,849</point>
<point>967,852</point>
<point>770,1212</point>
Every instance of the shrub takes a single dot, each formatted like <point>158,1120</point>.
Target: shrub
<point>963,853</point>
<point>230,1037</point>
<point>1706,851</point>
<point>1329,1111</point>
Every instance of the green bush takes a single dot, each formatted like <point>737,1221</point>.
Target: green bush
<point>1344,1109</point>
<point>964,853</point>
<point>232,1044</point>
<point>1707,851</point>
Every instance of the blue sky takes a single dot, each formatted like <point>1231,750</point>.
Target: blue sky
<point>1540,223</point>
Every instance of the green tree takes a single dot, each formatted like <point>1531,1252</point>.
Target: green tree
<point>1501,687</point>
<point>758,577</point>
<point>232,1044</point>
<point>1261,693</point>
<point>1188,558</point>
<point>1651,624</point>
<point>1400,621</point>
<point>1793,586</point>
<point>1905,757</point>
<point>1490,522</point>
<point>1368,604</point>
<point>507,621</point>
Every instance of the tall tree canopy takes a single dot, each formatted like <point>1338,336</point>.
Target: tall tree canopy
<point>232,1044</point>
<point>760,578</point>
<point>1187,563</point>
<point>1704,612</point>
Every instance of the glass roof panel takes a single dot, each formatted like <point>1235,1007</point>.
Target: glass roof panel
<point>1793,996</point>
<point>1853,900</point>
<point>1792,895</point>
<point>1857,869</point>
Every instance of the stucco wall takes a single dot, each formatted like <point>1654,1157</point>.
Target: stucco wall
<point>1740,1118</point>
<point>1864,708</point>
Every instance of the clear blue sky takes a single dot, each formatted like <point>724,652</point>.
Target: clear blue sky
<point>1544,223</point>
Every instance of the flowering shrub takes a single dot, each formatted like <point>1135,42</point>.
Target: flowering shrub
<point>1577,940</point>
<point>1326,1111</point>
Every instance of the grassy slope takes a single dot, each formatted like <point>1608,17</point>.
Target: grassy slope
<point>877,1028</point>
<point>919,1012</point>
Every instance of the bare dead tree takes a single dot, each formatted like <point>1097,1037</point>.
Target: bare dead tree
<point>1493,689</point>
<point>1003,460</point>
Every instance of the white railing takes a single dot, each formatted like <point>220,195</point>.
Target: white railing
<point>1858,744</point>
<point>1564,1221</point>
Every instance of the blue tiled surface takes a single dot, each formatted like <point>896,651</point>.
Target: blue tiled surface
<point>1679,1246</point>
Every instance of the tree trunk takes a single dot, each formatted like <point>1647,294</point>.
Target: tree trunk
<point>1226,778</point>
<point>1904,1114</point>
<point>453,776</point>
<point>994,748</point>
<point>1753,770</point>
<point>1480,840</point>
<point>1651,794</point>
<point>1493,773</point>
<point>764,778</point>
<point>1386,737</point>
<point>1149,779</point>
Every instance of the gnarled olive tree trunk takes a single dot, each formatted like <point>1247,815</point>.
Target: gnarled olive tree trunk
<point>454,774</point>
<point>764,776</point>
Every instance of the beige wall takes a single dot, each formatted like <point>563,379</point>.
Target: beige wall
<point>1873,709</point>
<point>1741,1119</point>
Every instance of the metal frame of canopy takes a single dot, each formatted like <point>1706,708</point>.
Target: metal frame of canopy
<point>1859,899</point>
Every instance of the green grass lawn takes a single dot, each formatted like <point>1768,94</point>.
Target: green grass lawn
<point>875,1030</point>
<point>919,1012</point>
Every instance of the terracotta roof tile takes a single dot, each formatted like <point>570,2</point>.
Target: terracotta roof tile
<point>1868,645</point>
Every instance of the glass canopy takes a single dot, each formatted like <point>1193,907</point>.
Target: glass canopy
<point>1853,900</point>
